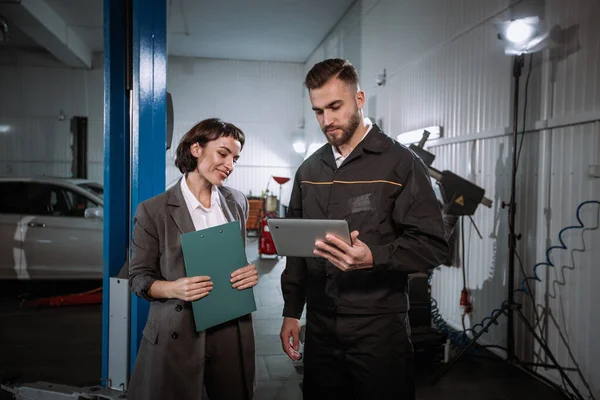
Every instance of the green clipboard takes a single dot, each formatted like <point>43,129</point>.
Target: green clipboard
<point>217,252</point>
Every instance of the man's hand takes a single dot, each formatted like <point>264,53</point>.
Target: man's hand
<point>343,256</point>
<point>290,329</point>
<point>245,277</point>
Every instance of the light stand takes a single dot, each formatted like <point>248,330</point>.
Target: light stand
<point>519,61</point>
<point>510,306</point>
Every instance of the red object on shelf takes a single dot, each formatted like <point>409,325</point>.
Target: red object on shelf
<point>281,179</point>
<point>265,242</point>
<point>90,297</point>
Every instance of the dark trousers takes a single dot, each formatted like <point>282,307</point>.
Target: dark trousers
<point>358,357</point>
<point>223,369</point>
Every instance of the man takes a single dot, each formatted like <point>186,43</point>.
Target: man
<point>357,332</point>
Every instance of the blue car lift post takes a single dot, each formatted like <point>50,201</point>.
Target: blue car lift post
<point>134,162</point>
<point>149,125</point>
<point>135,76</point>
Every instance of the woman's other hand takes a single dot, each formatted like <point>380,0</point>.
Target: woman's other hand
<point>189,289</point>
<point>245,277</point>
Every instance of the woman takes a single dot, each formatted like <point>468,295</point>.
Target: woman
<point>174,361</point>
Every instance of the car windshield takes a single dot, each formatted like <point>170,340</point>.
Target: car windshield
<point>94,188</point>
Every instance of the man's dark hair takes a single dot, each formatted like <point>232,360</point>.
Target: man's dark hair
<point>325,70</point>
<point>202,133</point>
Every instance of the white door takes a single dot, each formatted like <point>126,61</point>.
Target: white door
<point>12,206</point>
<point>59,242</point>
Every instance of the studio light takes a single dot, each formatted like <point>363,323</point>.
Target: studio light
<point>519,31</point>
<point>523,35</point>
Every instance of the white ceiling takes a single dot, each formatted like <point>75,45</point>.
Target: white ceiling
<point>85,17</point>
<point>273,30</point>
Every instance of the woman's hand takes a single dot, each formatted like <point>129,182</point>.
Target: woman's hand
<point>189,289</point>
<point>245,277</point>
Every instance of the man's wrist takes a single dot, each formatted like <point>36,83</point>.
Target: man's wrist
<point>290,311</point>
<point>368,261</point>
<point>380,255</point>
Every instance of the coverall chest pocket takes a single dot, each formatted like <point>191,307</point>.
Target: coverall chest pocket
<point>362,211</point>
<point>369,209</point>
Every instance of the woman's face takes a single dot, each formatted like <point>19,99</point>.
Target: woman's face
<point>217,159</point>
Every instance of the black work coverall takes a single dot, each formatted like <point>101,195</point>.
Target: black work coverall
<point>357,332</point>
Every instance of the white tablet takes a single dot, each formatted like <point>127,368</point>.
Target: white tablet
<point>296,237</point>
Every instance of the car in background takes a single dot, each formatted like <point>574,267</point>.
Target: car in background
<point>50,228</point>
<point>94,187</point>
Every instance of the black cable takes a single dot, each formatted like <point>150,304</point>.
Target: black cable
<point>537,319</point>
<point>464,265</point>
<point>524,110</point>
<point>476,229</point>
<point>529,292</point>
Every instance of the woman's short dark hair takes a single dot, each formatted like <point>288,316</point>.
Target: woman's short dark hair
<point>203,132</point>
<point>323,71</point>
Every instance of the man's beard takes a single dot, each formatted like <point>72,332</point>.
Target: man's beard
<point>347,131</point>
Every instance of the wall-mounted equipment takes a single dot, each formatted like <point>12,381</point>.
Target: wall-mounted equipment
<point>381,78</point>
<point>460,196</point>
<point>79,148</point>
<point>414,137</point>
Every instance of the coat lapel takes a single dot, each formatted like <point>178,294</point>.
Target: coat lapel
<point>228,206</point>
<point>178,210</point>
<point>181,216</point>
<point>232,210</point>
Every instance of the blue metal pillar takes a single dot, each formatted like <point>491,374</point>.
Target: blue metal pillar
<point>116,157</point>
<point>148,138</point>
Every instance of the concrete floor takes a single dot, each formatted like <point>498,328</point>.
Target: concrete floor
<point>63,345</point>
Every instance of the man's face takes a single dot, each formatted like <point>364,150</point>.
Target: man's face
<point>336,105</point>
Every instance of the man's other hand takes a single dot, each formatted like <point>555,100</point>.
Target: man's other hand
<point>290,337</point>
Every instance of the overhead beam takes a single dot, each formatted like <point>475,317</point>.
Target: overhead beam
<point>42,24</point>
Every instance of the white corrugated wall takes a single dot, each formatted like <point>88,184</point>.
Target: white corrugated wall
<point>572,99</point>
<point>264,99</point>
<point>446,67</point>
<point>36,93</point>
